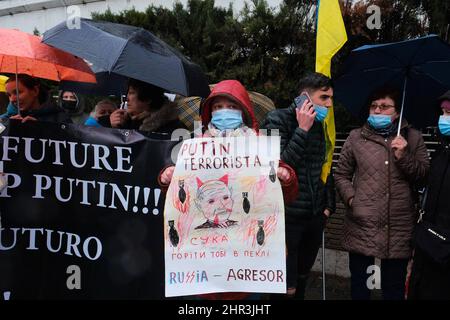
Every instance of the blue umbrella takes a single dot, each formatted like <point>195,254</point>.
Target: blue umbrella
<point>130,52</point>
<point>419,68</point>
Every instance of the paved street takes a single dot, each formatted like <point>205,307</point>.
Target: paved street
<point>338,288</point>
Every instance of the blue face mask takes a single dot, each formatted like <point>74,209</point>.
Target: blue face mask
<point>321,112</point>
<point>444,125</point>
<point>224,119</point>
<point>379,121</point>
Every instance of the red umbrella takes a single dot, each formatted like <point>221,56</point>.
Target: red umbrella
<point>21,52</point>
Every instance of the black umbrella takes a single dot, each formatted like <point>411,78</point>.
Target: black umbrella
<point>108,84</point>
<point>132,53</point>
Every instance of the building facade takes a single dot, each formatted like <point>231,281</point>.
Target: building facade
<point>41,15</point>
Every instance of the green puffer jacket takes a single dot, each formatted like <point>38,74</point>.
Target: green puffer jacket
<point>305,153</point>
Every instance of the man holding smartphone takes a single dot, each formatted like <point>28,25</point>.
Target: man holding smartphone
<point>303,147</point>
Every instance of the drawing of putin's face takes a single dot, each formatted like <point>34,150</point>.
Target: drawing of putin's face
<point>214,200</point>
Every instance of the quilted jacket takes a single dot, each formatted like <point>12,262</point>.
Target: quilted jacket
<point>305,153</point>
<point>381,219</point>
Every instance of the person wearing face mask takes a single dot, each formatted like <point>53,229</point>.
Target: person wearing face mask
<point>68,100</point>
<point>101,113</point>
<point>431,280</point>
<point>73,104</point>
<point>303,147</point>
<point>376,176</point>
<point>228,112</point>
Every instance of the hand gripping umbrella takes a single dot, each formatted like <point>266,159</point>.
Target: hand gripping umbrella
<point>420,67</point>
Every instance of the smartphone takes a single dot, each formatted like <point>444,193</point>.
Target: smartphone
<point>300,100</point>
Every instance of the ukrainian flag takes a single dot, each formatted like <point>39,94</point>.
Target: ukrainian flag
<point>331,36</point>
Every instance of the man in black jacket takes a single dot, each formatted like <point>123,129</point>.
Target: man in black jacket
<point>303,147</point>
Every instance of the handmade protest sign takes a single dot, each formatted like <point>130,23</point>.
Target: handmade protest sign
<point>82,214</point>
<point>224,218</point>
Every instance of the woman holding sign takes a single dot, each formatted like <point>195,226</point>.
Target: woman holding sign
<point>228,112</point>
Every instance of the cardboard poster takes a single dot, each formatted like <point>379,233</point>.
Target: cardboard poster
<point>224,218</point>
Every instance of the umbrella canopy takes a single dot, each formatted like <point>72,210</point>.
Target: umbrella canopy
<point>107,84</point>
<point>21,52</point>
<point>189,108</point>
<point>130,52</point>
<point>419,68</point>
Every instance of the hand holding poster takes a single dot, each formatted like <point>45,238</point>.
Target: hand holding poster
<point>224,218</point>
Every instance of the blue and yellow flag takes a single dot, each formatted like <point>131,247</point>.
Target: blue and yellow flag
<point>331,36</point>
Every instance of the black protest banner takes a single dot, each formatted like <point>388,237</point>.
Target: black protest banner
<point>82,215</point>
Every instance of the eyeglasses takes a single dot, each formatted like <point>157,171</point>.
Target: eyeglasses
<point>383,107</point>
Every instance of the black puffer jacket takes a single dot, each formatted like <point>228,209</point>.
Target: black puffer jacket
<point>438,203</point>
<point>430,280</point>
<point>305,153</point>
<point>50,112</point>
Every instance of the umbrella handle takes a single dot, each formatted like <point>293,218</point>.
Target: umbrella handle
<point>17,91</point>
<point>124,102</point>
<point>403,105</point>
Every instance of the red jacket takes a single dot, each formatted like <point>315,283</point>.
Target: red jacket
<point>235,91</point>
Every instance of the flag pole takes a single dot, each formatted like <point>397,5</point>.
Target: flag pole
<point>323,231</point>
<point>330,37</point>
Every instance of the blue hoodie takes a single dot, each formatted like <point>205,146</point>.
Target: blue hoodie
<point>92,122</point>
